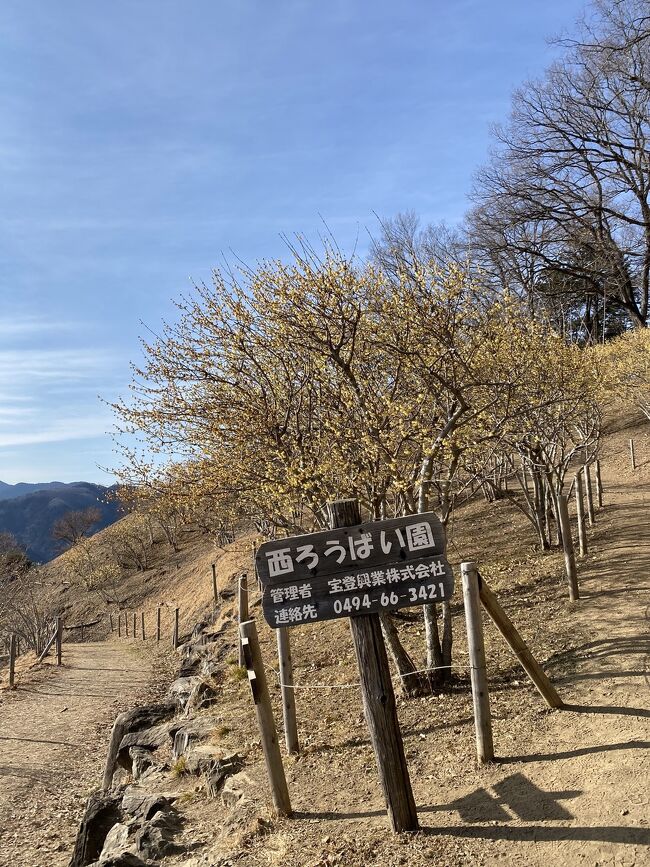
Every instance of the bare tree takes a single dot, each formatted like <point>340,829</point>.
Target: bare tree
<point>75,525</point>
<point>563,208</point>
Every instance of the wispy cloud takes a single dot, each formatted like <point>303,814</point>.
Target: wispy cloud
<point>63,429</point>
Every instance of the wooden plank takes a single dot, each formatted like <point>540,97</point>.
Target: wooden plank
<point>265,720</point>
<point>242,595</point>
<point>47,647</point>
<point>362,590</point>
<point>12,660</point>
<point>330,553</point>
<point>567,543</point>
<point>589,495</point>
<point>582,531</point>
<point>518,646</point>
<point>379,699</point>
<point>478,672</point>
<point>59,639</point>
<point>599,485</point>
<point>288,692</point>
<point>215,589</point>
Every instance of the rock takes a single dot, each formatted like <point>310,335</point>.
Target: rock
<point>140,761</point>
<point>236,789</point>
<point>185,732</point>
<point>149,739</point>
<point>156,837</point>
<point>181,689</point>
<point>102,812</point>
<point>132,721</point>
<point>117,844</point>
<point>141,805</point>
<point>217,775</point>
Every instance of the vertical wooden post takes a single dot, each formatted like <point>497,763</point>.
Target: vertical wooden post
<point>111,620</point>
<point>12,660</point>
<point>82,632</point>
<point>632,458</point>
<point>589,494</point>
<point>480,695</point>
<point>158,624</point>
<point>243,609</point>
<point>268,734</point>
<point>59,640</point>
<point>144,637</point>
<point>119,624</point>
<point>175,641</point>
<point>126,623</point>
<point>518,646</point>
<point>580,509</point>
<point>288,692</point>
<point>599,485</point>
<point>567,544</point>
<point>215,589</point>
<point>135,625</point>
<point>379,698</point>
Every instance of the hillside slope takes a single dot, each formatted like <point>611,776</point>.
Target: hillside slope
<point>569,787</point>
<point>30,517</point>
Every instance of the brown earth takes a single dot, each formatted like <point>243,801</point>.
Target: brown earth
<point>570,787</point>
<point>54,731</point>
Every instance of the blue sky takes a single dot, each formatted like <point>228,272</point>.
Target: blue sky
<point>142,140</point>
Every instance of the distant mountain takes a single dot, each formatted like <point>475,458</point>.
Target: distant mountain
<point>10,492</point>
<point>31,514</point>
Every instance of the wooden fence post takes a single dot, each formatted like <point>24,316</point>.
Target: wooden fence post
<point>126,623</point>
<point>632,458</point>
<point>567,544</point>
<point>111,620</point>
<point>215,589</point>
<point>599,486</point>
<point>158,624</point>
<point>175,630</point>
<point>12,660</point>
<point>119,624</point>
<point>518,646</point>
<point>268,734</point>
<point>135,625</point>
<point>580,509</point>
<point>243,609</point>
<point>144,637</point>
<point>288,692</point>
<point>480,695</point>
<point>59,640</point>
<point>589,495</point>
<point>379,698</point>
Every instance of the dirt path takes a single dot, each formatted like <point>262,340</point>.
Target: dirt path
<point>579,790</point>
<point>53,734</point>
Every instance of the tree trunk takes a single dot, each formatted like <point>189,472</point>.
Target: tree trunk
<point>412,684</point>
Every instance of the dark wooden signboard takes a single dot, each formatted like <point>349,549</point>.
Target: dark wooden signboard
<point>377,566</point>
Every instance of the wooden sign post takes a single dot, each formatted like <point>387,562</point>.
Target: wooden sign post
<point>12,660</point>
<point>357,570</point>
<point>478,673</point>
<point>215,590</point>
<point>287,690</point>
<point>242,596</point>
<point>264,712</point>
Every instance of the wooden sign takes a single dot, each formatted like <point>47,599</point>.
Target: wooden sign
<point>377,566</point>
